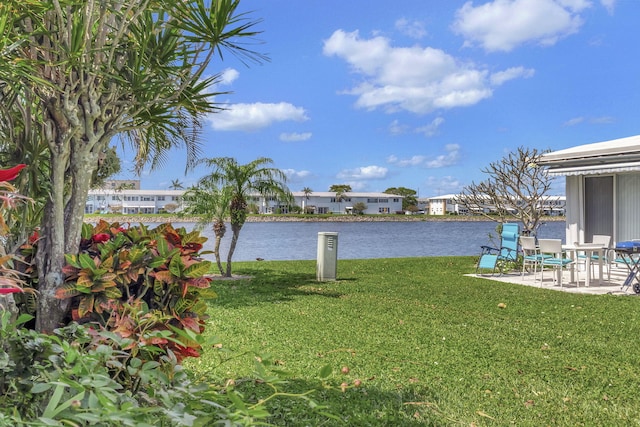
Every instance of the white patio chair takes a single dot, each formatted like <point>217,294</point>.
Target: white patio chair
<point>553,256</point>
<point>605,241</point>
<point>531,255</point>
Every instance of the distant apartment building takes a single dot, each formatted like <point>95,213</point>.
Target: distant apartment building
<point>133,201</point>
<point>448,205</point>
<point>126,201</point>
<point>327,202</point>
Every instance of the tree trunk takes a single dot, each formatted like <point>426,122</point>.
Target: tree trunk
<point>235,228</point>
<point>51,248</point>
<point>71,169</point>
<point>219,229</point>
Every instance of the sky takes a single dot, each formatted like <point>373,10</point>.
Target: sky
<point>421,94</point>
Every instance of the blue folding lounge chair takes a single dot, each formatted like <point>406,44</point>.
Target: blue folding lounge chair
<point>492,260</point>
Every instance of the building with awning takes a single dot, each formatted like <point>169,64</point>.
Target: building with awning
<point>602,188</point>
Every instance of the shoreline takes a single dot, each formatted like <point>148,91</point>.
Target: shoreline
<point>124,219</point>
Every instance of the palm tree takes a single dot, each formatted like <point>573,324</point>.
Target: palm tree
<point>340,190</point>
<point>244,180</point>
<point>176,185</point>
<point>307,192</point>
<point>138,70</point>
<point>211,204</point>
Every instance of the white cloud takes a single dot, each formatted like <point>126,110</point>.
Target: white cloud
<point>609,5</point>
<point>357,185</point>
<point>395,128</point>
<point>603,120</point>
<point>412,161</point>
<point>444,185</point>
<point>251,117</point>
<point>450,158</point>
<point>512,73</point>
<point>228,76</point>
<point>432,128</point>
<point>363,173</point>
<point>415,79</point>
<point>295,137</point>
<point>413,29</point>
<point>574,121</point>
<point>294,176</point>
<point>502,25</point>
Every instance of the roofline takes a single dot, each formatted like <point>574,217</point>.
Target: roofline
<point>627,149</point>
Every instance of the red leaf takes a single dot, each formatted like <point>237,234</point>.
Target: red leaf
<point>12,173</point>
<point>191,323</point>
<point>100,237</point>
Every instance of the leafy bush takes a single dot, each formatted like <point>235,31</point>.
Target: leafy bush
<point>69,378</point>
<point>144,284</point>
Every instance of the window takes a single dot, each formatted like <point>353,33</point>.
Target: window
<point>147,198</point>
<point>323,210</point>
<point>160,198</point>
<point>383,210</point>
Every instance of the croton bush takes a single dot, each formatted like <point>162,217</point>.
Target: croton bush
<point>148,285</point>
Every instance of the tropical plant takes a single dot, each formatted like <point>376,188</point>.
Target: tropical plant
<point>176,185</point>
<point>340,190</point>
<point>359,208</point>
<point>145,284</point>
<point>307,193</point>
<point>71,378</point>
<point>108,165</point>
<point>171,207</point>
<point>243,181</point>
<point>212,204</point>
<point>89,71</point>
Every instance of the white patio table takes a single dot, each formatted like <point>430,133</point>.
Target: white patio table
<point>589,250</point>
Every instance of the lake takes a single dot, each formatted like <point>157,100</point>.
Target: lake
<point>356,240</point>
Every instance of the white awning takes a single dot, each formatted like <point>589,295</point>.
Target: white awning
<point>599,150</point>
<point>595,169</point>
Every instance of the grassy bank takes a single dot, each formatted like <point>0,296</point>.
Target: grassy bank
<point>430,346</point>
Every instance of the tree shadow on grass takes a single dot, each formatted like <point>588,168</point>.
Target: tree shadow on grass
<point>363,406</point>
<point>266,285</point>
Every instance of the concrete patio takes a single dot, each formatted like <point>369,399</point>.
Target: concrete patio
<point>610,285</point>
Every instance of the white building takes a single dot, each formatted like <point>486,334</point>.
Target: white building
<point>156,201</point>
<point>602,187</point>
<point>133,201</point>
<point>448,205</point>
<point>326,202</point>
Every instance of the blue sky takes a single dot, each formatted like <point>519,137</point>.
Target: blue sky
<point>421,94</point>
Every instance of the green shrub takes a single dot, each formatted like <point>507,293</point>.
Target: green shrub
<point>69,379</point>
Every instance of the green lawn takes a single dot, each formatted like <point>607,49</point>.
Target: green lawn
<point>431,346</point>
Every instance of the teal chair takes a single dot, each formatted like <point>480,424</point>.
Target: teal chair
<point>551,250</point>
<point>492,260</point>
<point>531,256</point>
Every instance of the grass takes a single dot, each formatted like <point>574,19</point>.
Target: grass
<point>431,346</point>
